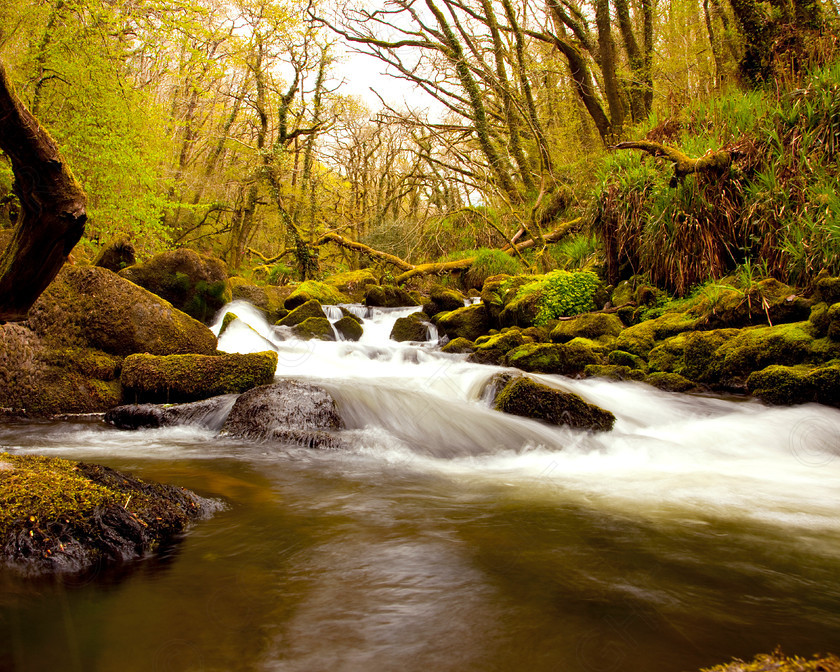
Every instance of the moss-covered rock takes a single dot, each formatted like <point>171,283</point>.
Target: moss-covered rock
<point>226,320</point>
<point>194,283</point>
<point>530,399</point>
<point>492,349</point>
<point>622,358</point>
<point>178,378</point>
<point>350,328</point>
<point>116,255</point>
<point>468,322</point>
<point>567,359</point>
<point>587,325</point>
<point>314,327</point>
<point>778,662</point>
<point>268,298</point>
<point>669,355</point>
<point>93,307</point>
<point>58,516</point>
<point>522,309</point>
<point>670,382</point>
<point>827,289</point>
<point>498,291</point>
<point>388,296</point>
<point>699,348</point>
<point>624,292</point>
<point>833,316</point>
<point>767,301</point>
<point>787,385</point>
<point>613,372</point>
<point>641,338</point>
<point>313,290</point>
<point>443,299</point>
<point>458,345</point>
<point>819,319</point>
<point>303,312</point>
<point>411,328</point>
<point>39,379</point>
<point>352,284</point>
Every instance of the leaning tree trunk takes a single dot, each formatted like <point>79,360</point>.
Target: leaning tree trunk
<point>52,214</point>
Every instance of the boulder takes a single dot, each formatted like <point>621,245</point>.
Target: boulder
<point>116,256</point>
<point>613,372</point>
<point>827,288</point>
<point>313,290</point>
<point>670,382</point>
<point>388,296</point>
<point>787,385</point>
<point>268,298</point>
<point>621,358</point>
<point>468,322</point>
<point>93,307</point>
<point>352,284</point>
<point>39,379</point>
<point>567,359</point>
<point>209,413</point>
<point>412,328</point>
<point>303,312</point>
<point>492,349</point>
<point>174,378</point>
<point>498,291</point>
<point>62,517</point>
<point>288,412</point>
<point>458,346</point>
<point>314,327</point>
<point>194,283</point>
<point>522,308</point>
<point>587,325</point>
<point>442,299</point>
<point>349,327</point>
<point>767,301</point>
<point>641,338</point>
<point>530,399</point>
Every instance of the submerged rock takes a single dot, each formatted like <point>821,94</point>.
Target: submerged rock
<point>174,378</point>
<point>209,413</point>
<point>289,412</point>
<point>58,516</point>
<point>192,282</point>
<point>528,398</point>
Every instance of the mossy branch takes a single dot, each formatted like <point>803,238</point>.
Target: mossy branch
<point>683,164</point>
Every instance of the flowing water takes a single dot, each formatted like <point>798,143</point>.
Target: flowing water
<point>452,537</point>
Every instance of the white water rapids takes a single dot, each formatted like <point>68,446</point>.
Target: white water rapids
<point>670,456</point>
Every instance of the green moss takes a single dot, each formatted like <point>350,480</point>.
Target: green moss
<point>458,345</point>
<point>442,299</point>
<point>613,372</point>
<point>754,348</point>
<point>699,361</point>
<point>622,358</point>
<point>641,338</point>
<point>39,490</point>
<point>411,328</point>
<point>498,291</point>
<point>562,358</point>
<point>468,322</point>
<point>177,378</point>
<point>350,327</point>
<point>315,327</point>
<point>388,296</point>
<point>528,398</point>
<point>669,355</point>
<point>305,311</point>
<point>588,325</point>
<point>670,382</point>
<point>351,284</point>
<point>318,291</point>
<point>488,263</point>
<point>226,320</point>
<point>786,385</point>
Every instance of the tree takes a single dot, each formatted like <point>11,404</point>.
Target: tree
<point>52,215</point>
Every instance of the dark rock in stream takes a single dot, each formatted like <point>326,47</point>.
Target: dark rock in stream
<point>289,412</point>
<point>62,517</point>
<point>210,413</point>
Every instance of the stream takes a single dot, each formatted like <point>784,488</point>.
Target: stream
<point>451,537</point>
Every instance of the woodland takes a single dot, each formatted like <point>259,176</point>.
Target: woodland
<point>223,127</point>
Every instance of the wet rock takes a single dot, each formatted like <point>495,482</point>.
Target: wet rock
<point>93,307</point>
<point>587,325</point>
<point>415,327</point>
<point>288,411</point>
<point>304,311</point>
<point>788,385</point>
<point>563,358</point>
<point>116,256</point>
<point>442,299</point>
<point>670,382</point>
<point>468,322</point>
<point>388,296</point>
<point>174,378</point>
<point>352,284</point>
<point>209,413</point>
<point>613,372</point>
<point>71,516</point>
<point>492,349</point>
<point>314,327</point>
<point>313,290</point>
<point>530,399</point>
<point>458,346</point>
<point>349,327</point>
<point>194,283</point>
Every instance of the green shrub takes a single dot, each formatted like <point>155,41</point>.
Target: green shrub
<point>489,263</point>
<point>562,294</point>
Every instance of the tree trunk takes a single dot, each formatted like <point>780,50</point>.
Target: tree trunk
<point>52,216</point>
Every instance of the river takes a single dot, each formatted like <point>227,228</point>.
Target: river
<point>451,537</point>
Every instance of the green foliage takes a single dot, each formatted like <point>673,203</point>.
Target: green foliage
<point>279,274</point>
<point>490,262</point>
<point>577,252</point>
<point>562,294</point>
